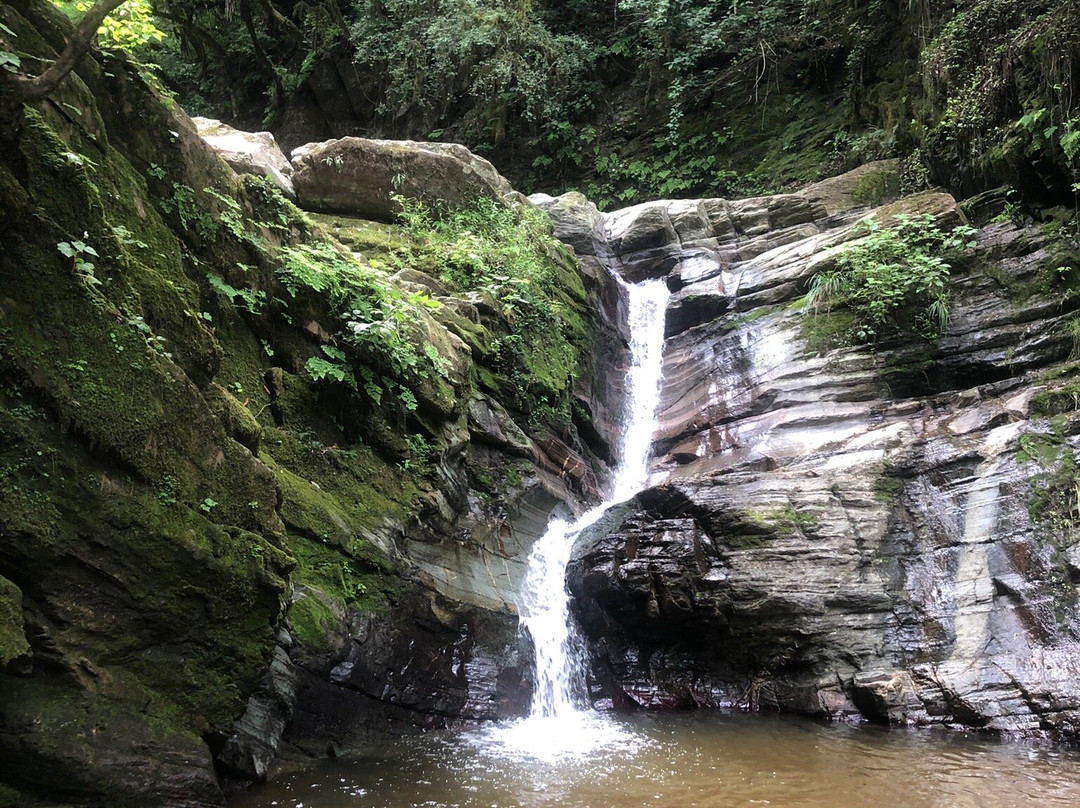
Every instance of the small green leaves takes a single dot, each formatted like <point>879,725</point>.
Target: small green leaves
<point>10,62</point>
<point>895,280</point>
<point>334,368</point>
<point>73,249</point>
<point>249,300</point>
<point>79,252</point>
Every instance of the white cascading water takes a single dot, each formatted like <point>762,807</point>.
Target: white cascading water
<point>555,726</point>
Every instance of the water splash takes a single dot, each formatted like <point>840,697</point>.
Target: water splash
<point>556,727</point>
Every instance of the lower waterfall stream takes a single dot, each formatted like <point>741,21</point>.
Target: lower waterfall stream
<point>566,755</point>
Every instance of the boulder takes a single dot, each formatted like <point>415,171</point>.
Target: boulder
<point>360,177</point>
<point>869,184</point>
<point>576,221</point>
<point>248,152</point>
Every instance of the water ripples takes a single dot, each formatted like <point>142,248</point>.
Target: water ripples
<point>700,760</point>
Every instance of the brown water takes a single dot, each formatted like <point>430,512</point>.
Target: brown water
<point>701,759</point>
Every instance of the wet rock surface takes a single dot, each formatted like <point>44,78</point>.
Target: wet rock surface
<point>843,532</point>
<point>429,662</point>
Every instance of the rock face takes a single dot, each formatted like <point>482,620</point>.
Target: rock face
<point>212,554</point>
<point>844,532</point>
<point>357,176</point>
<point>248,152</point>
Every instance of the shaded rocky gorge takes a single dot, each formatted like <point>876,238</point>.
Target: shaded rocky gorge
<point>211,558</point>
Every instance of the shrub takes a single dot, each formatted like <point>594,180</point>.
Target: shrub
<point>378,322</point>
<point>510,259</point>
<point>894,282</point>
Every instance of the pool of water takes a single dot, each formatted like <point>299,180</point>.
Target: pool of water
<point>681,761</point>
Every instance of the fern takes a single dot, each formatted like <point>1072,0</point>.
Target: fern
<point>895,280</point>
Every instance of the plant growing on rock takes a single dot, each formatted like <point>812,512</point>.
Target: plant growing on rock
<point>378,323</point>
<point>509,263</point>
<point>894,282</point>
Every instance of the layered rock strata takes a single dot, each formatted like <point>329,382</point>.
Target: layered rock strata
<point>889,534</point>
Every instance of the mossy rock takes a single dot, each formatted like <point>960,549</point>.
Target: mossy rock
<point>13,642</point>
<point>73,746</point>
<point>239,422</point>
<point>312,622</point>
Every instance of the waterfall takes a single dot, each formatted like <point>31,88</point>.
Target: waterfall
<point>545,601</point>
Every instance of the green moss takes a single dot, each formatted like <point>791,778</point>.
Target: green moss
<point>803,128</point>
<point>529,294</point>
<point>311,622</point>
<point>356,576</point>
<point>93,350</point>
<point>876,187</point>
<point>473,334</point>
<point>243,365</point>
<point>748,540</point>
<point>1058,276</point>
<point>758,313</point>
<point>13,642</point>
<point>1064,399</point>
<point>214,593</point>
<point>887,489</point>
<point>238,420</point>
<point>307,509</point>
<point>354,485</point>
<point>1054,480</point>
<point>380,242</point>
<point>783,520</point>
<point>827,330</point>
<point>1061,394</point>
<point>332,499</point>
<point>66,741</point>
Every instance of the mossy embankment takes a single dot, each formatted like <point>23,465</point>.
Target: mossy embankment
<point>208,404</point>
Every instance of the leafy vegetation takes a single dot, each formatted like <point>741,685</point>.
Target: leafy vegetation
<point>516,67</point>
<point>379,323</point>
<point>131,27</point>
<point>621,100</point>
<point>999,75</point>
<point>893,282</point>
<point>527,281</point>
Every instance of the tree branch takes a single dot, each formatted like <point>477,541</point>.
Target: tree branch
<point>25,89</point>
